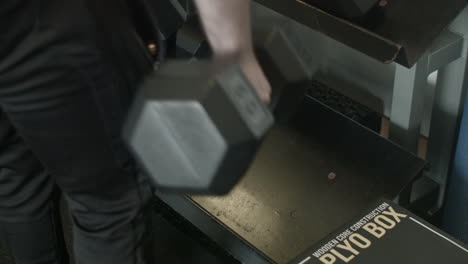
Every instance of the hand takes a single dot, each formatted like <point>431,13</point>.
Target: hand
<point>252,70</point>
<point>256,76</point>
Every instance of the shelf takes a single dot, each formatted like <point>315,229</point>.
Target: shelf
<point>312,175</point>
<point>402,34</point>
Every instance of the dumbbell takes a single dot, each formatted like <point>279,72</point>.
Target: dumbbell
<point>346,8</point>
<point>191,41</point>
<point>195,127</point>
<point>157,23</point>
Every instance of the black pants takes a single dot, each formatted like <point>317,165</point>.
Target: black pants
<point>67,73</point>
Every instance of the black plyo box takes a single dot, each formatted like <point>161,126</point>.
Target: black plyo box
<point>386,234</point>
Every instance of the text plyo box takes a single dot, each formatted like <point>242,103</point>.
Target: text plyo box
<point>387,234</point>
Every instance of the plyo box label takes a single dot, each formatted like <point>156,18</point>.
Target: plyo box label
<point>387,234</point>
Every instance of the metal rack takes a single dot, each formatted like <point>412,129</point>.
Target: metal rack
<point>308,179</point>
<point>392,61</point>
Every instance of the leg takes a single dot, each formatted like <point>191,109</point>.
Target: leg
<point>28,207</point>
<point>408,104</point>
<point>69,110</point>
<point>74,132</point>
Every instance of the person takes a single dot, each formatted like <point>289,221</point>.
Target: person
<point>68,70</point>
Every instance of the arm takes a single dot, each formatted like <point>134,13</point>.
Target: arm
<point>228,29</point>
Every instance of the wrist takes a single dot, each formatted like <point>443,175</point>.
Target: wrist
<point>237,54</point>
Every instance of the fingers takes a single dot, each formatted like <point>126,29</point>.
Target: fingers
<point>252,70</point>
<point>257,78</point>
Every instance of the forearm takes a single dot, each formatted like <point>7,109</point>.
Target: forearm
<point>228,29</point>
<point>227,26</point>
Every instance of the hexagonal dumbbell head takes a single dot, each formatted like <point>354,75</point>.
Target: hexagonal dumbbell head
<point>346,8</point>
<point>196,127</point>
